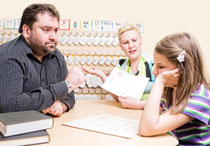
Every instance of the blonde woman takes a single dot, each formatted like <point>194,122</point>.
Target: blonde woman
<point>135,63</point>
<point>185,106</point>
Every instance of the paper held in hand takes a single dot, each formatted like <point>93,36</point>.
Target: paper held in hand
<point>122,83</point>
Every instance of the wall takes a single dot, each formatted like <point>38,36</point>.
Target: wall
<point>160,17</point>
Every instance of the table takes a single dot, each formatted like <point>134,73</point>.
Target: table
<point>61,135</point>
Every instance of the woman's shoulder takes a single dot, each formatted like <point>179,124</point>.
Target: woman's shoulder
<point>121,61</point>
<point>147,57</point>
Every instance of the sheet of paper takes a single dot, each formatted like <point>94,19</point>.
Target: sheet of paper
<point>107,124</point>
<point>122,83</point>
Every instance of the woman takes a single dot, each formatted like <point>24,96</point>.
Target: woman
<point>135,63</point>
<point>185,105</point>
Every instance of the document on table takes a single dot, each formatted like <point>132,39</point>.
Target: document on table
<point>122,83</point>
<point>107,124</point>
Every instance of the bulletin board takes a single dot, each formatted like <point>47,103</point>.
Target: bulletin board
<point>87,43</point>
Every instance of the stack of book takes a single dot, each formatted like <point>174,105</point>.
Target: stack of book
<point>24,128</point>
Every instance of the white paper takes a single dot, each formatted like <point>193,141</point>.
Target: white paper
<point>107,124</point>
<point>122,83</point>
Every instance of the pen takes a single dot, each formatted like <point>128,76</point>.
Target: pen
<point>69,58</point>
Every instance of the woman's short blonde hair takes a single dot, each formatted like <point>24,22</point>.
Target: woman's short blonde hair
<point>127,27</point>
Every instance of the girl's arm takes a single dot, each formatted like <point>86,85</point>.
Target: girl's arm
<point>131,103</point>
<point>152,123</point>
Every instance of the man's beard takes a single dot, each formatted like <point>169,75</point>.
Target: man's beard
<point>47,50</point>
<point>39,49</point>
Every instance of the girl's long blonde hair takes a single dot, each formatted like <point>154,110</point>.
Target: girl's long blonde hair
<point>191,74</point>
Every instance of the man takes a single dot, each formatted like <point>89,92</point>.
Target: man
<point>33,73</point>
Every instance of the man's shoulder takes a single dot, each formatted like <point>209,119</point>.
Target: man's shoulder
<point>12,50</point>
<point>10,47</point>
<point>58,54</point>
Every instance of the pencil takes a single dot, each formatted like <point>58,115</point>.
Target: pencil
<point>69,58</point>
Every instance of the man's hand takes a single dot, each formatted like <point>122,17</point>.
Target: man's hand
<point>76,77</point>
<point>57,109</point>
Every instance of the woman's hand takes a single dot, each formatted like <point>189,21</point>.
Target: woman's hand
<point>96,72</point>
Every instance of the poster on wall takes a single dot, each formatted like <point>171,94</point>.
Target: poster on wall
<point>141,27</point>
<point>1,24</point>
<point>96,25</point>
<point>117,25</point>
<point>64,24</point>
<point>74,25</point>
<point>17,23</point>
<point>9,23</point>
<point>107,25</point>
<point>86,25</point>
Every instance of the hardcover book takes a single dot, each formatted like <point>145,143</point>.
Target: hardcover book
<point>36,137</point>
<point>14,123</point>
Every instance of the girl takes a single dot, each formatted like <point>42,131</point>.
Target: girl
<point>185,106</point>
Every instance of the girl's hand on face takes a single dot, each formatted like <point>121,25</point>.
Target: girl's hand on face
<point>169,78</point>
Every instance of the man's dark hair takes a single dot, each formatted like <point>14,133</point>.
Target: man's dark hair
<point>30,14</point>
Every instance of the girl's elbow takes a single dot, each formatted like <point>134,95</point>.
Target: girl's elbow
<point>143,131</point>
